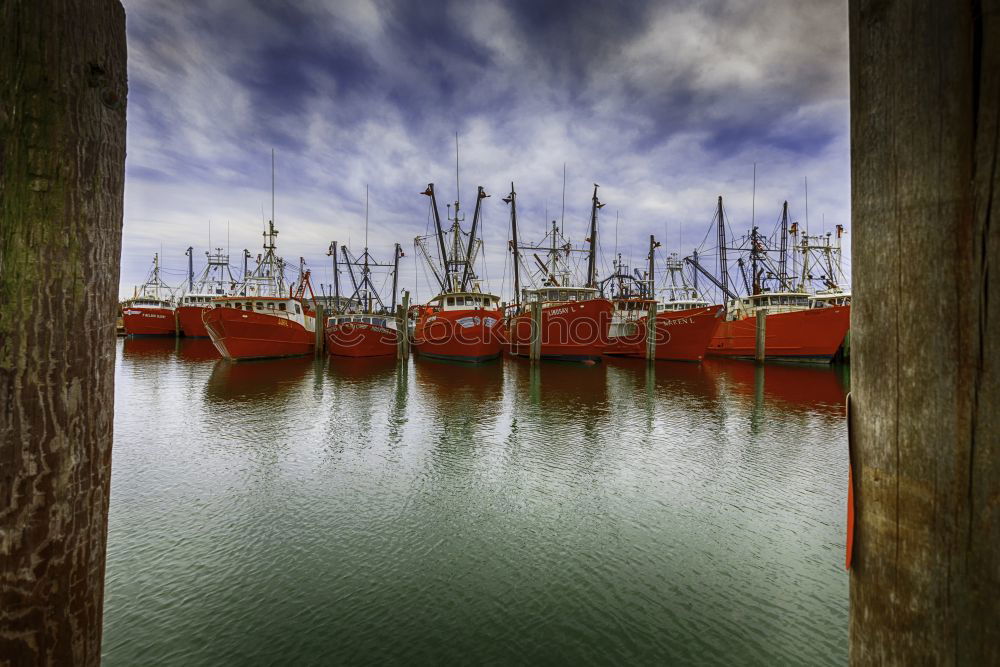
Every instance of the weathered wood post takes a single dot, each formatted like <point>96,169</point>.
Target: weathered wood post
<point>320,328</point>
<point>760,349</point>
<point>925,328</point>
<point>535,349</point>
<point>651,333</point>
<point>402,328</point>
<point>62,147</point>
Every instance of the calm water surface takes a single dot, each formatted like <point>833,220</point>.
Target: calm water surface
<point>331,511</point>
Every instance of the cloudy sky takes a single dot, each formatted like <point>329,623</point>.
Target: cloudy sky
<point>666,105</point>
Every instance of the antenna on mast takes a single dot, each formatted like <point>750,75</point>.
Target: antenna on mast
<point>562,217</point>
<point>366,217</point>
<point>272,185</point>
<point>458,190</point>
<point>753,198</point>
<point>807,204</point>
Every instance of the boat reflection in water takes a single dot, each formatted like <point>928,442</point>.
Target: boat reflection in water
<point>454,388</point>
<point>797,388</point>
<point>148,347</point>
<point>258,381</point>
<point>197,349</point>
<point>361,370</point>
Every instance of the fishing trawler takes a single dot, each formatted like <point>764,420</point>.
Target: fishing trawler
<point>366,328</point>
<point>633,298</point>
<point>216,280</point>
<point>574,319</point>
<point>685,323</point>
<point>264,319</point>
<point>149,312</point>
<point>462,323</point>
<point>794,330</point>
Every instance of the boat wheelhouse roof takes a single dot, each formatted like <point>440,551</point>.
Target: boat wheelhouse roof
<point>561,293</point>
<point>149,301</point>
<point>798,299</point>
<point>477,294</point>
<point>254,297</point>
<point>824,296</point>
<point>368,318</point>
<point>767,294</point>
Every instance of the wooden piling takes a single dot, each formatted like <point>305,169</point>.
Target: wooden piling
<point>651,333</point>
<point>402,329</point>
<point>535,349</point>
<point>760,351</point>
<point>925,329</point>
<point>320,329</point>
<point>62,147</point>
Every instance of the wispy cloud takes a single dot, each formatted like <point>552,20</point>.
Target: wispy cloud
<point>666,105</point>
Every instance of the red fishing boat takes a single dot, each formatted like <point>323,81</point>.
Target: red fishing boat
<point>633,298</point>
<point>261,321</point>
<point>685,323</point>
<point>794,331</point>
<point>574,319</point>
<point>366,327</point>
<point>150,313</point>
<point>216,280</point>
<point>462,323</point>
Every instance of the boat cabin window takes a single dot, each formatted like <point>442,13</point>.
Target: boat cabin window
<point>451,301</point>
<point>297,309</point>
<point>270,306</point>
<point>282,306</point>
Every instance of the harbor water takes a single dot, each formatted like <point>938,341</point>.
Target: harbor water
<point>336,511</point>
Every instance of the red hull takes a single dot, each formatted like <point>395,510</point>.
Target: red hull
<point>812,335</point>
<point>681,335</point>
<point>458,335</point>
<point>572,331</point>
<point>241,334</point>
<point>190,321</point>
<point>360,339</point>
<point>144,321</point>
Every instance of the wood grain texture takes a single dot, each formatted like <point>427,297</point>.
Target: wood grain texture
<point>62,158</point>
<point>925,94</point>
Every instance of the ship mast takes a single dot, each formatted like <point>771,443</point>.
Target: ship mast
<point>397,253</point>
<point>332,252</point>
<point>783,257</point>
<point>723,268</point>
<point>511,199</point>
<point>592,259</point>
<point>470,253</point>
<point>442,249</point>
<point>651,283</point>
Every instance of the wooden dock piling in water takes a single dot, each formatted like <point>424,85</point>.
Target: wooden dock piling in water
<point>320,329</point>
<point>403,328</point>
<point>925,329</point>
<point>760,348</point>
<point>535,349</point>
<point>62,147</point>
<point>651,333</point>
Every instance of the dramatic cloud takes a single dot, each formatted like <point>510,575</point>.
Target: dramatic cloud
<point>665,105</point>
